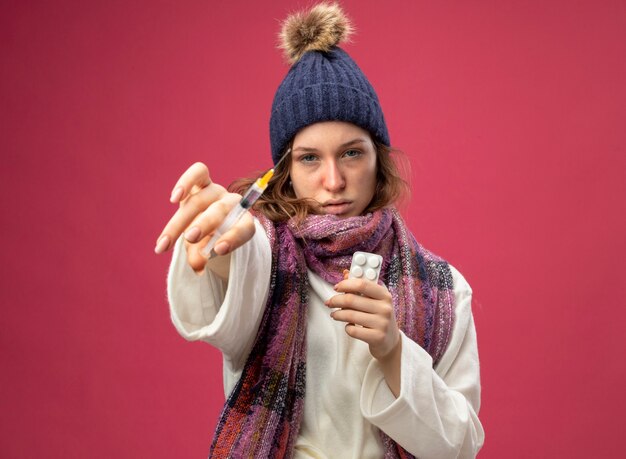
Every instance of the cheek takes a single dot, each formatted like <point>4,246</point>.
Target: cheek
<point>371,190</point>
<point>297,191</point>
<point>369,183</point>
<point>300,183</point>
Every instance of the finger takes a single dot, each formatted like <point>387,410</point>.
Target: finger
<point>363,319</point>
<point>186,214</point>
<point>211,217</point>
<point>238,235</point>
<point>363,287</point>
<point>355,302</point>
<point>368,335</point>
<point>380,343</point>
<point>196,176</point>
<point>194,258</point>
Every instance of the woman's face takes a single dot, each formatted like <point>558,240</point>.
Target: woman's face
<point>334,163</point>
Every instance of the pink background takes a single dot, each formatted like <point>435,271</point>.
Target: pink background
<point>512,114</point>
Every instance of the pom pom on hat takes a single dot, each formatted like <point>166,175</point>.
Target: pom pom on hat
<point>320,29</point>
<point>323,83</point>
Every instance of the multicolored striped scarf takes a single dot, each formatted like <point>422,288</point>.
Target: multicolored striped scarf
<point>261,417</point>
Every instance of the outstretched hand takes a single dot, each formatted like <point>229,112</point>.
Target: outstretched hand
<point>203,206</point>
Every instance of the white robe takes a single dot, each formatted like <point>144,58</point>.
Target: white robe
<point>347,399</point>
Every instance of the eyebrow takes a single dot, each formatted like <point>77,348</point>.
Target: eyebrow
<point>343,145</point>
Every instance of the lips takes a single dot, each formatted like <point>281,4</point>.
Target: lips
<point>336,207</point>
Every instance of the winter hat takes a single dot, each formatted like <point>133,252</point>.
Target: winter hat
<point>324,83</point>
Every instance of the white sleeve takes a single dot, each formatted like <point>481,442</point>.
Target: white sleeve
<point>436,412</point>
<point>226,315</point>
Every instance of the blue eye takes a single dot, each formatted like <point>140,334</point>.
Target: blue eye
<point>352,153</point>
<point>307,158</point>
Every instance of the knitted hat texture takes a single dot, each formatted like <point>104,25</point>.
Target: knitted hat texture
<point>324,84</point>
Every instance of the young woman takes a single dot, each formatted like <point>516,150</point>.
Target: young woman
<point>317,364</point>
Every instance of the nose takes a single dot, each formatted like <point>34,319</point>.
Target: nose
<point>334,179</point>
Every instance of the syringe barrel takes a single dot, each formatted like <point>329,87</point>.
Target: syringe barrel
<point>251,196</point>
<point>233,216</point>
<point>247,201</point>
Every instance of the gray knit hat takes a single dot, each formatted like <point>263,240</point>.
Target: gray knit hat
<point>324,83</point>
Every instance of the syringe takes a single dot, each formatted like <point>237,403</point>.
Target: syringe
<point>247,201</point>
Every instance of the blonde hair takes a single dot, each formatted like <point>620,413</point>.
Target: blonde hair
<point>279,201</point>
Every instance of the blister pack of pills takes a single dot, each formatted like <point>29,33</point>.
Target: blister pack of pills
<point>366,266</point>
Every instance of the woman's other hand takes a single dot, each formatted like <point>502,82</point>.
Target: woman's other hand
<point>203,206</point>
<point>367,310</point>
